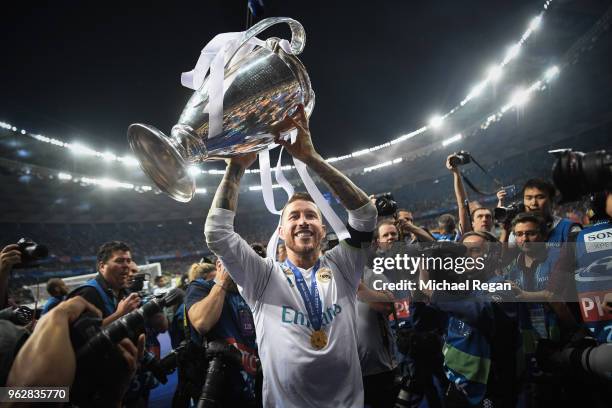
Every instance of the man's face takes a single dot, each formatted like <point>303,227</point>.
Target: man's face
<point>476,248</point>
<point>387,235</point>
<point>62,289</point>
<point>405,216</point>
<point>482,220</point>
<point>133,270</point>
<point>526,234</point>
<point>536,200</point>
<point>116,270</point>
<point>302,228</point>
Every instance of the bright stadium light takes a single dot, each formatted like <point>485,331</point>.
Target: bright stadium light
<point>200,191</point>
<point>194,170</point>
<point>551,73</point>
<point>23,132</point>
<point>64,176</point>
<point>81,150</point>
<point>513,52</point>
<point>494,73</point>
<point>535,23</point>
<point>436,121</point>
<point>453,139</point>
<point>14,129</point>
<point>109,157</point>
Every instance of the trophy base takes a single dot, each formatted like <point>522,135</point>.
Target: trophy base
<point>161,161</point>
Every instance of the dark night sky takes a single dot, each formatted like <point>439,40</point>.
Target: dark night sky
<point>85,70</point>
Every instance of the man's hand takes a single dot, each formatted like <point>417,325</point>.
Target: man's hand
<point>302,149</point>
<point>501,195</point>
<point>132,354</point>
<point>9,257</point>
<point>244,160</point>
<point>449,166</point>
<point>47,357</point>
<point>127,304</point>
<point>72,308</point>
<point>224,279</point>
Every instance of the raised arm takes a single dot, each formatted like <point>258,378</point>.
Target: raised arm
<point>351,196</point>
<point>226,196</point>
<point>461,196</point>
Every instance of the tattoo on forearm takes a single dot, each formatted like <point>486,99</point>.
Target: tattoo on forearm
<point>227,193</point>
<point>352,197</point>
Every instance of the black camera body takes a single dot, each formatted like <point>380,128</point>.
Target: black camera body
<point>507,214</point>
<point>98,360</point>
<point>386,205</point>
<point>460,158</point>
<point>31,252</point>
<point>576,174</point>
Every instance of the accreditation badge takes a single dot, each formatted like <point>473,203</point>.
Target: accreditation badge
<point>318,339</point>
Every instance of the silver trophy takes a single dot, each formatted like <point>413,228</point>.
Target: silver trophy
<point>265,85</point>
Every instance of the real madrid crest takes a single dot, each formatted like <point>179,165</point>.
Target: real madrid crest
<point>324,275</point>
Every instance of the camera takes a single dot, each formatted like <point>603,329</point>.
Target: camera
<point>30,252</point>
<point>576,174</point>
<point>507,214</point>
<point>386,205</point>
<point>460,158</point>
<point>21,316</point>
<point>98,360</point>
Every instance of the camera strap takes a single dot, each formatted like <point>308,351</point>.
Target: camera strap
<point>473,187</point>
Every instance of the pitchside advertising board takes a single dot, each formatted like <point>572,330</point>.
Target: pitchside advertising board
<point>594,281</point>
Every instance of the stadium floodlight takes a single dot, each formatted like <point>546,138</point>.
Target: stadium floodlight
<point>108,156</point>
<point>436,121</point>
<point>23,132</point>
<point>551,73</point>
<point>200,191</point>
<point>477,90</point>
<point>14,129</point>
<point>513,52</point>
<point>495,72</point>
<point>64,176</point>
<point>535,23</point>
<point>360,152</point>
<point>194,170</point>
<point>80,149</point>
<point>453,139</point>
<point>128,161</point>
<point>519,98</point>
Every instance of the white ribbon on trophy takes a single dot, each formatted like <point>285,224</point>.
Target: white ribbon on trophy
<point>213,58</point>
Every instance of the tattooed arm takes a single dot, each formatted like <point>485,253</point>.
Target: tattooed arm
<point>226,196</point>
<point>351,196</point>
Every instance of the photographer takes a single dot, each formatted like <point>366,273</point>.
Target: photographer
<point>481,219</point>
<point>447,229</point>
<point>9,257</point>
<point>374,338</point>
<point>409,232</point>
<point>538,198</point>
<point>58,291</point>
<point>594,270</point>
<point>108,290</point>
<point>216,311</point>
<point>47,358</point>
<point>483,336</point>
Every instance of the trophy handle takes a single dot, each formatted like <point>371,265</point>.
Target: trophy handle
<point>298,35</point>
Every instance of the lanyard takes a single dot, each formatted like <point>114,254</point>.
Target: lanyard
<point>311,298</point>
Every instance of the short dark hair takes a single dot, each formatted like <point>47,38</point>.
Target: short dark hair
<point>106,250</point>
<point>530,217</point>
<point>53,285</point>
<point>480,209</point>
<point>299,196</point>
<point>542,185</point>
